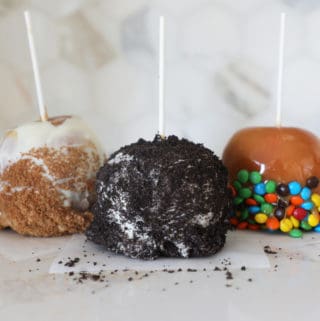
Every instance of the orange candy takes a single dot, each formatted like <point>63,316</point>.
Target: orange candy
<point>242,225</point>
<point>289,210</point>
<point>271,198</point>
<point>273,223</point>
<point>296,200</point>
<point>251,202</point>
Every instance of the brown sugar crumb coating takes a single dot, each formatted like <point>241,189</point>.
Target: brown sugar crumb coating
<point>32,203</point>
<point>48,191</point>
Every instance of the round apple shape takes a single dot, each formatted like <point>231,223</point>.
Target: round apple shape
<point>282,154</point>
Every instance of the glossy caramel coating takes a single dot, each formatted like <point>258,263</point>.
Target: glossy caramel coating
<point>283,154</point>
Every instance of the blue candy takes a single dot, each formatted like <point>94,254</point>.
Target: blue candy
<point>317,228</point>
<point>260,189</point>
<point>307,206</point>
<point>305,193</point>
<point>294,188</point>
<point>254,209</point>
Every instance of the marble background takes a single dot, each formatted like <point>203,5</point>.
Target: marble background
<point>98,59</point>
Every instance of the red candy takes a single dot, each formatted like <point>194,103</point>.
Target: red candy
<point>299,213</point>
<point>243,225</point>
<point>234,221</point>
<point>251,202</point>
<point>253,227</point>
<point>233,190</point>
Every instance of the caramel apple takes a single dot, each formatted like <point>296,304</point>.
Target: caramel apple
<point>283,154</point>
<point>274,175</point>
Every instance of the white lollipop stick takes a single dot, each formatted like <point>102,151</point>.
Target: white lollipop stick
<point>35,67</point>
<point>280,68</point>
<point>161,77</point>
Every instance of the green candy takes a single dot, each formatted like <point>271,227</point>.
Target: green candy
<point>260,199</point>
<point>243,176</point>
<point>305,225</point>
<point>245,192</point>
<point>296,233</point>
<point>271,186</point>
<point>266,208</point>
<point>237,185</point>
<point>244,215</point>
<point>255,177</point>
<point>237,200</point>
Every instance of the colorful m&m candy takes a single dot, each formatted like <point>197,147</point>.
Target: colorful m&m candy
<point>265,204</point>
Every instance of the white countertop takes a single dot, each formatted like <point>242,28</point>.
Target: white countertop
<point>288,290</point>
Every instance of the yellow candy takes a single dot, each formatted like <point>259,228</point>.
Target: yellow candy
<point>294,222</point>
<point>313,220</point>
<point>315,198</point>
<point>260,218</point>
<point>286,225</point>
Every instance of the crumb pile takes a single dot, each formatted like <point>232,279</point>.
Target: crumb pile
<point>47,177</point>
<point>168,197</point>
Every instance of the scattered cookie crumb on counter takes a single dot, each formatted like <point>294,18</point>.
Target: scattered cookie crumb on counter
<point>267,249</point>
<point>233,275</point>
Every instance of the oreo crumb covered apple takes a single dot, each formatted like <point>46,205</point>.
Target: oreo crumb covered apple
<point>168,197</point>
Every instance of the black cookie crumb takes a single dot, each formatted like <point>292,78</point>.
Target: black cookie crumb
<point>192,270</point>
<point>83,276</point>
<point>267,249</point>
<point>72,262</point>
<point>229,275</point>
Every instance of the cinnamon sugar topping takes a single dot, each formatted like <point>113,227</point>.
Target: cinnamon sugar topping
<point>49,191</point>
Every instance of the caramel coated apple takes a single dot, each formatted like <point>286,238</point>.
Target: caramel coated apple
<point>283,154</point>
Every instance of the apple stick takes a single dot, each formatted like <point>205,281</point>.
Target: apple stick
<point>161,130</point>
<point>280,68</point>
<point>35,67</point>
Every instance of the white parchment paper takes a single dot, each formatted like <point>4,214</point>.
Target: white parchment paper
<point>240,249</point>
<point>16,247</point>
